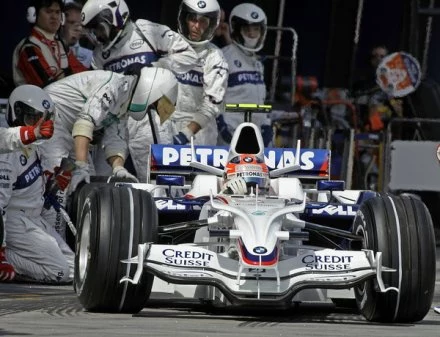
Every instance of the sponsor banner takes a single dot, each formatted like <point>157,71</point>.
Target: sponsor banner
<point>335,210</point>
<point>327,262</point>
<point>178,158</point>
<point>183,256</point>
<point>398,74</point>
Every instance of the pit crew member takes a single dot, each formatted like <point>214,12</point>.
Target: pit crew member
<point>248,26</point>
<point>201,90</point>
<point>90,103</point>
<point>121,43</point>
<point>42,58</point>
<point>35,250</point>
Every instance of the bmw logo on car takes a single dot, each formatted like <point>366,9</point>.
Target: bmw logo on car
<point>260,250</point>
<point>201,4</point>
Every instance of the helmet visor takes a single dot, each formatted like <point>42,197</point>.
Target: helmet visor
<point>99,28</point>
<point>29,115</point>
<point>249,35</point>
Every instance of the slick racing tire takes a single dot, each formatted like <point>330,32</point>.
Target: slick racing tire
<point>76,201</point>
<point>113,221</point>
<point>401,228</point>
<point>74,207</point>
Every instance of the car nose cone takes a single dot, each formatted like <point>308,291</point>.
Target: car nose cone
<point>260,250</point>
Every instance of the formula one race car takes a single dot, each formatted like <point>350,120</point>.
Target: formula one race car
<point>292,234</point>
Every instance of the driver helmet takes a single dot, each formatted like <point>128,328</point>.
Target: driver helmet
<point>205,12</point>
<point>252,169</point>
<point>104,21</point>
<point>248,16</point>
<point>153,84</point>
<point>27,105</point>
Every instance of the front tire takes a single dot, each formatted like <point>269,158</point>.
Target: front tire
<point>401,228</point>
<point>112,222</point>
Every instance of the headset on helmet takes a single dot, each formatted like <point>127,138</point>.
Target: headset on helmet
<point>251,168</point>
<point>110,16</point>
<point>247,14</point>
<point>27,104</point>
<point>153,84</point>
<point>196,9</point>
<point>36,5</point>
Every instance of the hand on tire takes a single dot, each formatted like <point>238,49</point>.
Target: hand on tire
<point>121,172</point>
<point>80,173</point>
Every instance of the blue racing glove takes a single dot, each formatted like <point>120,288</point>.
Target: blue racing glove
<point>223,129</point>
<point>182,137</point>
<point>267,133</point>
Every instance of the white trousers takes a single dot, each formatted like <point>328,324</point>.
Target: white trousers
<point>36,250</point>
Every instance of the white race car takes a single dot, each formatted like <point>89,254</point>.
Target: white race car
<point>299,237</point>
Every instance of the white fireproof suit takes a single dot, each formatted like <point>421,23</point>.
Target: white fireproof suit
<point>86,103</point>
<point>200,94</point>
<point>245,85</point>
<point>150,44</point>
<point>10,140</point>
<point>33,246</point>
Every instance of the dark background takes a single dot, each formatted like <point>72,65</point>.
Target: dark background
<point>325,29</point>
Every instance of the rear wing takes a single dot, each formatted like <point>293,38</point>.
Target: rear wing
<point>175,159</point>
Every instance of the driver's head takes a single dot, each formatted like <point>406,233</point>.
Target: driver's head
<point>251,169</point>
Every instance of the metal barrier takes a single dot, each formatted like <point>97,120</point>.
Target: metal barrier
<point>276,58</point>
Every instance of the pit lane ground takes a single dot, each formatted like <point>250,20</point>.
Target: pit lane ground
<point>40,310</point>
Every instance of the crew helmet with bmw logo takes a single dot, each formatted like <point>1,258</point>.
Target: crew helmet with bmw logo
<point>247,14</point>
<point>104,21</point>
<point>27,104</point>
<point>206,12</point>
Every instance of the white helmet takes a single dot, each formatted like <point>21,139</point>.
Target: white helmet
<point>27,104</point>
<point>206,12</point>
<point>105,20</point>
<point>245,15</point>
<point>153,84</point>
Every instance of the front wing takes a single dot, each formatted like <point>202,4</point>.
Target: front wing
<point>242,283</point>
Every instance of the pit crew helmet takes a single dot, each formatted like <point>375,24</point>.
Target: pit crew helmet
<point>243,15</point>
<point>27,105</point>
<point>104,21</point>
<point>153,84</point>
<point>252,169</point>
<point>206,12</point>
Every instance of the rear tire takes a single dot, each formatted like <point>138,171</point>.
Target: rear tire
<point>401,228</point>
<point>113,221</point>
